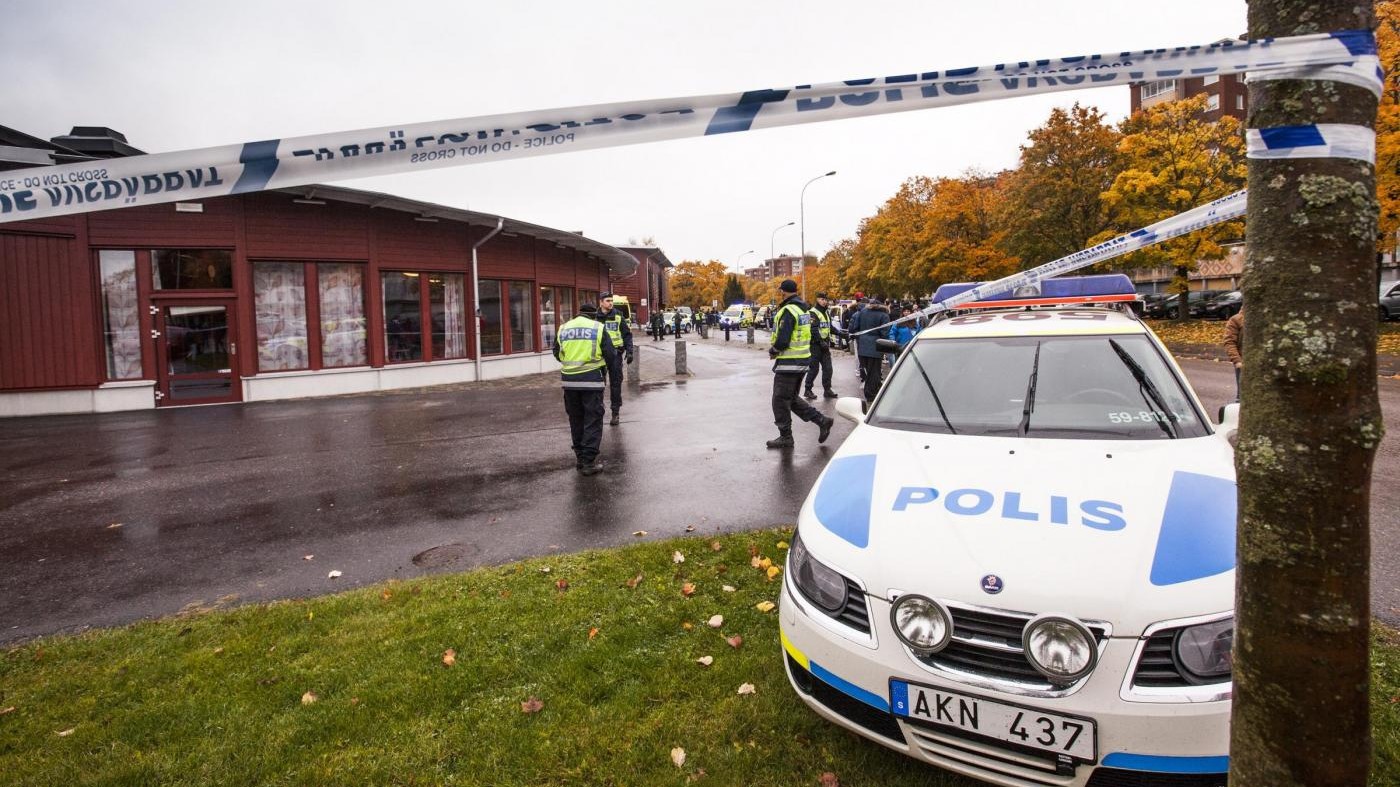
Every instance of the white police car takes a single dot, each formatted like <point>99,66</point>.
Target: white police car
<point>1020,564</point>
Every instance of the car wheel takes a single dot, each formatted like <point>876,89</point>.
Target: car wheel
<point>1384,315</point>
<point>1172,314</point>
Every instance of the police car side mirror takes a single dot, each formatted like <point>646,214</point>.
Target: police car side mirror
<point>851,408</point>
<point>1229,419</point>
<point>887,345</point>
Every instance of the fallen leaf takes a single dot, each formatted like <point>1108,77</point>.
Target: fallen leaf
<point>695,777</point>
<point>728,588</point>
<point>10,709</point>
<point>678,756</point>
<point>756,561</point>
<point>782,545</point>
<point>308,698</point>
<point>561,584</point>
<point>690,528</point>
<point>735,641</point>
<point>677,557</point>
<point>716,621</point>
<point>829,780</point>
<point>688,589</point>
<point>307,557</point>
<point>544,569</point>
<point>716,546</point>
<point>217,651</point>
<point>705,661</point>
<point>386,595</point>
<point>67,732</point>
<point>686,625</point>
<point>114,525</point>
<point>593,632</point>
<point>634,581</point>
<point>639,533</point>
<point>747,688</point>
<point>449,657</point>
<point>765,563</point>
<point>333,575</point>
<point>354,700</point>
<point>773,571</point>
<point>532,705</point>
<point>764,606</point>
<point>753,550</point>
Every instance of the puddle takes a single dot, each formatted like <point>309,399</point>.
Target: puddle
<point>444,555</point>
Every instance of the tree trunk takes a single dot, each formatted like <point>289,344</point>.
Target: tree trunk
<point>1310,424</point>
<point>1181,284</point>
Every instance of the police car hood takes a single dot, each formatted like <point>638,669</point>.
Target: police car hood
<point>1128,532</point>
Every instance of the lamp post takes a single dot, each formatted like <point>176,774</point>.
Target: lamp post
<point>771,253</point>
<point>739,262</point>
<point>802,229</point>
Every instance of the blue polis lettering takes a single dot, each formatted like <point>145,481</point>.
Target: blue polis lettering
<point>569,334</point>
<point>1096,514</point>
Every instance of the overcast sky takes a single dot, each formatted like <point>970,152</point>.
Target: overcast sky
<point>177,75</point>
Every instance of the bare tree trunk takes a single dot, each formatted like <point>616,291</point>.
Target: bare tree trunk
<point>1310,424</point>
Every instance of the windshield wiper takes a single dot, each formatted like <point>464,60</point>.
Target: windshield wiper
<point>1030,394</point>
<point>1148,391</point>
<point>936,400</point>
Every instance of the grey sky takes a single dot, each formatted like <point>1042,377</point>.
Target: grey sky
<point>176,75</point>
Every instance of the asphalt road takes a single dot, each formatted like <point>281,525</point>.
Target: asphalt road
<point>111,518</point>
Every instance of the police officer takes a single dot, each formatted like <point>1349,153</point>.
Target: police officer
<point>584,351</point>
<point>620,336</point>
<point>657,321</point>
<point>821,349</point>
<point>790,347</point>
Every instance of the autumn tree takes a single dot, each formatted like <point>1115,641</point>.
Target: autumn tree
<point>1310,425</point>
<point>733,291</point>
<point>1388,127</point>
<point>1053,204</point>
<point>1174,159</point>
<point>697,284</point>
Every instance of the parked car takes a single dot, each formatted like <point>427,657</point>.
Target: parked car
<point>668,324</point>
<point>736,316</point>
<point>1390,300</point>
<point>1020,565</point>
<point>1223,306</point>
<point>1168,307</point>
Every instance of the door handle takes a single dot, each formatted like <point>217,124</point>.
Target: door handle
<point>233,348</point>
<point>155,310</point>
<point>155,334</point>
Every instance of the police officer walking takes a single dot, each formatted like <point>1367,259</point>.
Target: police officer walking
<point>790,347</point>
<point>658,323</point>
<point>821,349</point>
<point>584,351</point>
<point>620,336</point>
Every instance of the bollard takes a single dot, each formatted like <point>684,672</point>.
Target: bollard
<point>750,334</point>
<point>680,357</point>
<point>726,332</point>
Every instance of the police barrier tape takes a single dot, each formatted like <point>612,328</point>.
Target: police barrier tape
<point>299,161</point>
<point>1226,208</point>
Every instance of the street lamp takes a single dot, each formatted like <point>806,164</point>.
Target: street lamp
<point>771,236</point>
<point>739,262</point>
<point>802,229</point>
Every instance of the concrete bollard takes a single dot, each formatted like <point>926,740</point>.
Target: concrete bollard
<point>680,357</point>
<point>750,334</point>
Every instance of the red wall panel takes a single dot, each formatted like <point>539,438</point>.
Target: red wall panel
<point>401,241</point>
<point>505,257</point>
<point>48,314</point>
<point>157,226</point>
<point>278,228</point>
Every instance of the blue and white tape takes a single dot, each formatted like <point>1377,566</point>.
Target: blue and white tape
<point>282,163</point>
<point>1321,140</point>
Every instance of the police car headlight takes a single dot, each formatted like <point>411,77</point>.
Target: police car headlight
<point>822,586</point>
<point>1062,649</point>
<point>1206,651</point>
<point>921,623</point>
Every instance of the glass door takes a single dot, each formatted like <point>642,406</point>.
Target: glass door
<point>197,346</point>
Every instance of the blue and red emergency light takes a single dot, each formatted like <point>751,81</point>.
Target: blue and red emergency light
<point>1102,288</point>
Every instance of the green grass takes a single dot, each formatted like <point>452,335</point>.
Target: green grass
<point>216,698</point>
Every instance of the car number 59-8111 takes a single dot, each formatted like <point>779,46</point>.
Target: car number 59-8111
<point>1032,727</point>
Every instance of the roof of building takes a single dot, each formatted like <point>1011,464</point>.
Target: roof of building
<point>651,252</point>
<point>618,260</point>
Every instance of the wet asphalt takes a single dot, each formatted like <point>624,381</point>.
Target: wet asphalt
<point>107,519</point>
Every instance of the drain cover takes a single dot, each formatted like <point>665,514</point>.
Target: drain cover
<point>440,556</point>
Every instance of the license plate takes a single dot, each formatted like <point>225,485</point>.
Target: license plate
<point>1037,729</point>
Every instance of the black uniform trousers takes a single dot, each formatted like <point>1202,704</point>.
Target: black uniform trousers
<point>873,371</point>
<point>821,359</point>
<point>585,409</point>
<point>613,371</point>
<point>786,401</point>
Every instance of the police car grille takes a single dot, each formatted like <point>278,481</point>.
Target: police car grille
<point>856,613</point>
<point>988,644</point>
<point>1156,667</point>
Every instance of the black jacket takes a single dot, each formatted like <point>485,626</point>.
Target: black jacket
<point>626,329</point>
<point>783,327</point>
<point>870,317</point>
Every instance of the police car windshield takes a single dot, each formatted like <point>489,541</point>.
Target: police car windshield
<point>1083,390</point>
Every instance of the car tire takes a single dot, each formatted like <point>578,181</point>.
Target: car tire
<point>1385,316</point>
<point>1172,314</point>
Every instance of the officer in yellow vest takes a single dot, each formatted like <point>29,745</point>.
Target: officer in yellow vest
<point>821,350</point>
<point>790,347</point>
<point>620,334</point>
<point>583,350</point>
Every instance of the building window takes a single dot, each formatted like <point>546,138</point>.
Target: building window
<point>192,269</point>
<point>1213,102</point>
<point>1160,87</point>
<point>589,296</point>
<point>341,289</point>
<point>1239,102</point>
<point>121,320</point>
<point>403,317</point>
<point>556,308</point>
<point>522,318</point>
<point>279,302</point>
<point>1210,80</point>
<point>447,299</point>
<point>492,335</point>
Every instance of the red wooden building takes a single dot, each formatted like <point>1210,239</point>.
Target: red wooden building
<point>290,293</point>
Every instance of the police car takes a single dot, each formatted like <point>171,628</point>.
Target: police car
<point>1020,564</point>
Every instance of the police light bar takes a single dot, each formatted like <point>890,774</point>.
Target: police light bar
<point>1105,288</point>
